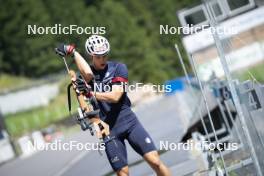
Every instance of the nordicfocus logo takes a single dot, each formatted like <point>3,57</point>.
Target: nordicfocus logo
<point>101,87</point>
<point>60,29</point>
<point>191,29</point>
<point>204,145</point>
<point>59,145</point>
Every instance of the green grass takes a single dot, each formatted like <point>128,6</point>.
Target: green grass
<point>7,82</point>
<point>256,71</point>
<point>37,118</point>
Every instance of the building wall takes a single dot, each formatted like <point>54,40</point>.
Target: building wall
<point>243,49</point>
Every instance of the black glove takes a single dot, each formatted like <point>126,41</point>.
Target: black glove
<point>81,86</point>
<point>65,50</point>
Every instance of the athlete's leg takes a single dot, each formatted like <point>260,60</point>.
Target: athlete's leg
<point>117,156</point>
<point>123,171</point>
<point>142,143</point>
<point>154,161</point>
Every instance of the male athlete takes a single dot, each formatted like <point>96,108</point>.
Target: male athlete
<point>115,106</point>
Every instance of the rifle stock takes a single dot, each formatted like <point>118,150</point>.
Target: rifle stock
<point>101,128</point>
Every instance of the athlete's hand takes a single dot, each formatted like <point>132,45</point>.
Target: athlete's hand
<point>65,50</point>
<point>81,86</point>
<point>101,128</point>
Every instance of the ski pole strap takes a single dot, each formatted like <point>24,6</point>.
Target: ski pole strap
<point>69,96</point>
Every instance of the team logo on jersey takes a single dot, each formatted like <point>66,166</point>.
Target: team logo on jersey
<point>107,74</point>
<point>147,140</point>
<point>115,159</point>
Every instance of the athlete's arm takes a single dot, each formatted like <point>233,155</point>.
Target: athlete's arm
<point>118,86</point>
<point>69,50</point>
<point>112,96</point>
<point>83,66</point>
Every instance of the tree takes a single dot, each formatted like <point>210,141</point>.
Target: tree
<point>131,26</point>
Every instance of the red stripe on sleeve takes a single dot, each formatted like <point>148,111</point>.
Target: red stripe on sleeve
<point>119,79</point>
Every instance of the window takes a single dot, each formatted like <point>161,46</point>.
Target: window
<point>237,6</point>
<point>218,10</point>
<point>222,9</point>
<point>194,16</point>
<point>198,16</point>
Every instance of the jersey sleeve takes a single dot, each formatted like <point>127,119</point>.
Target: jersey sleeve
<point>121,74</point>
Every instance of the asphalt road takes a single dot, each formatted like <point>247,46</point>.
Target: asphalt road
<point>161,120</point>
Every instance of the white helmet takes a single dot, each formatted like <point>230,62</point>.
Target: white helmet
<point>97,45</point>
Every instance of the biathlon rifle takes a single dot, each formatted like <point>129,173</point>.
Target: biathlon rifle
<point>88,110</point>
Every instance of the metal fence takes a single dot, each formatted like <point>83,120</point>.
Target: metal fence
<point>241,105</point>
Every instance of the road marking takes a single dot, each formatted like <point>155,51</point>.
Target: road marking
<point>71,163</point>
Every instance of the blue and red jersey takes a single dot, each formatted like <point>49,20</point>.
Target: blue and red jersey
<point>120,118</point>
<point>113,73</point>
